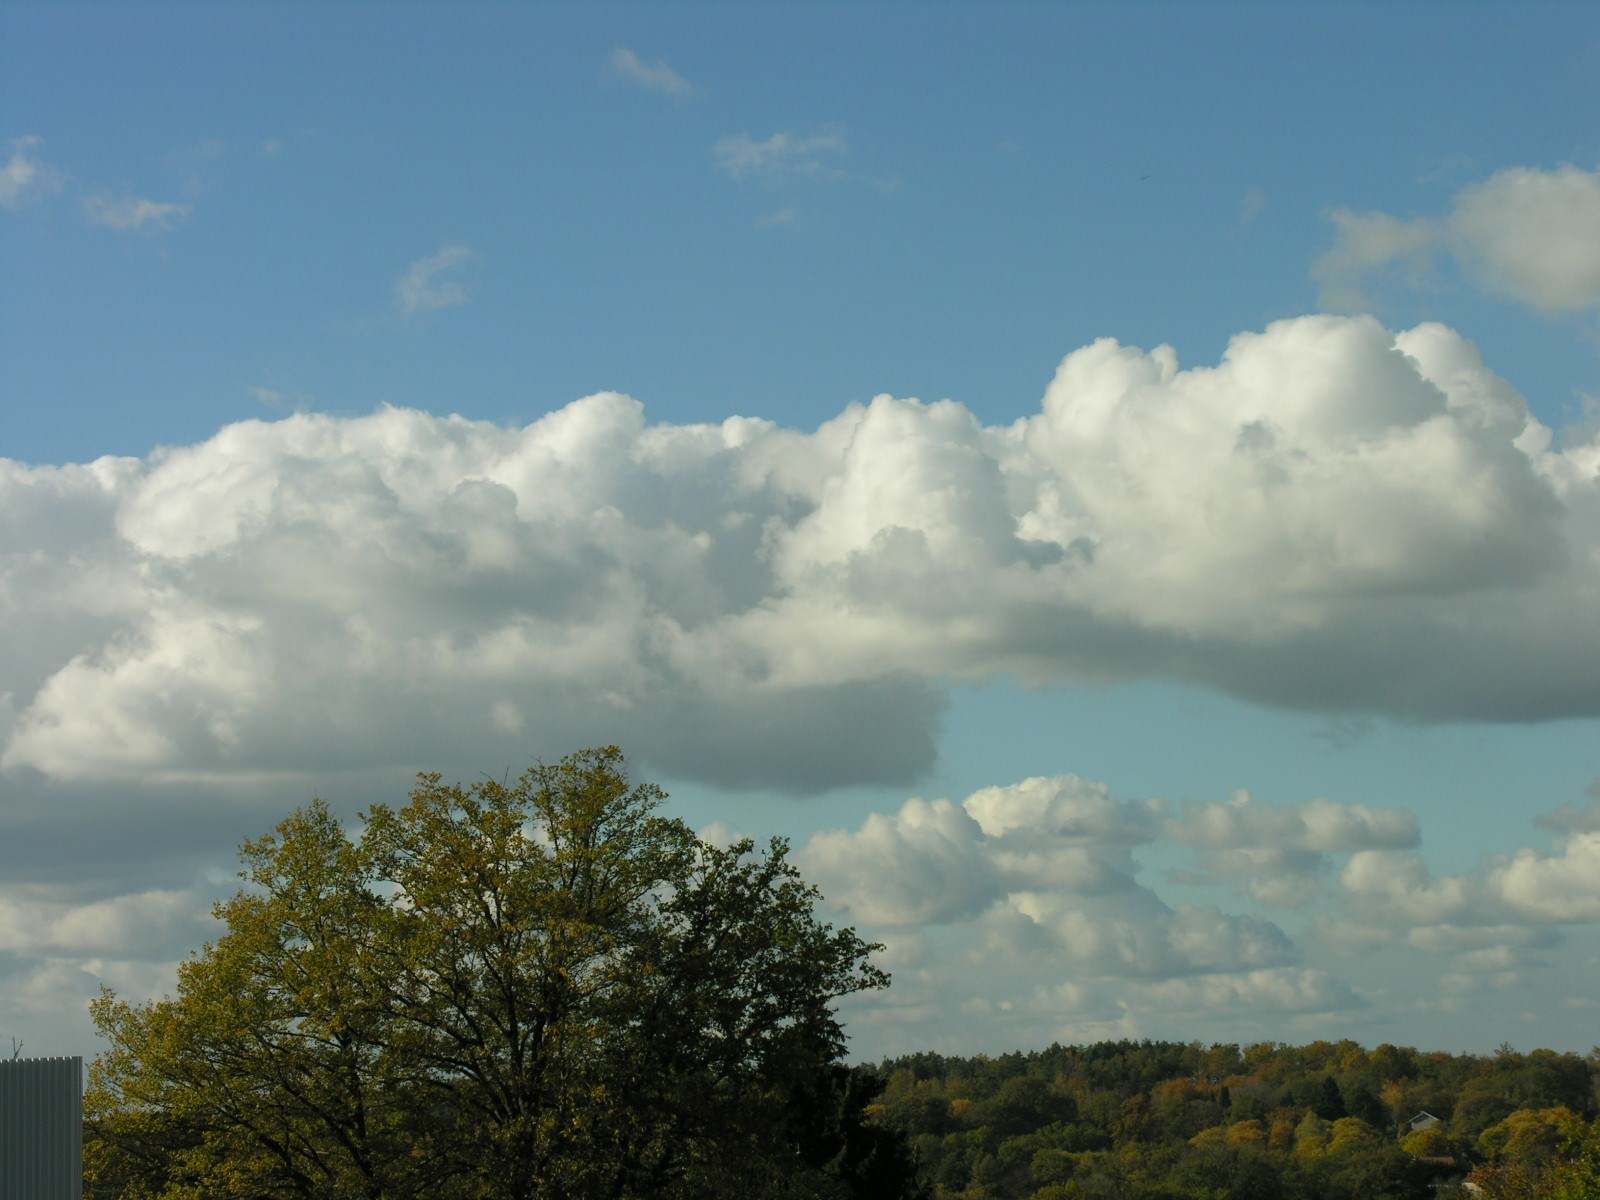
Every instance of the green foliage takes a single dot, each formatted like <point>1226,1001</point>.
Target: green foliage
<point>1571,1172</point>
<point>1530,1135</point>
<point>538,990</point>
<point>1165,1121</point>
<point>1432,1142</point>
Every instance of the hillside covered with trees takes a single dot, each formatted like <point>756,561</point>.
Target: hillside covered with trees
<point>1325,1121</point>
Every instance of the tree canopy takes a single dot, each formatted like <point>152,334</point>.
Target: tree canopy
<point>528,991</point>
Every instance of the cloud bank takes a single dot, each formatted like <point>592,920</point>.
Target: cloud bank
<point>1026,904</point>
<point>1333,518</point>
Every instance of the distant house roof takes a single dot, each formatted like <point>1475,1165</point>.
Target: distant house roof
<point>1423,1120</point>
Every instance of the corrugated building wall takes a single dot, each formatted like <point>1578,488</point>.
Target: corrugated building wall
<point>41,1129</point>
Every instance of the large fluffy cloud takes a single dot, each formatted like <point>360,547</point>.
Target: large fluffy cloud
<point>1333,517</point>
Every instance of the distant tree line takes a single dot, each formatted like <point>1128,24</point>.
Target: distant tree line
<point>1173,1121</point>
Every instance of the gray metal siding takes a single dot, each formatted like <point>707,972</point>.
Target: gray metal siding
<point>41,1129</point>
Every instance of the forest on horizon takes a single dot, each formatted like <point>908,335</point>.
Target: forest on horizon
<point>1158,1120</point>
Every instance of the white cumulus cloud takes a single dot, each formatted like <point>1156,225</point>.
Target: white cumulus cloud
<point>1532,235</point>
<point>1562,887</point>
<point>1527,887</point>
<point>1334,517</point>
<point>1281,854</point>
<point>1269,990</point>
<point>1043,864</point>
<point>925,864</point>
<point>1024,905</point>
<point>1319,825</point>
<point>1398,887</point>
<point>1137,935</point>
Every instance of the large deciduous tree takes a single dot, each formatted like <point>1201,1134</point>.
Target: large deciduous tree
<point>526,991</point>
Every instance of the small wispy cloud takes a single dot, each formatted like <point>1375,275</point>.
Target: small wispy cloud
<point>206,149</point>
<point>1251,205</point>
<point>199,165</point>
<point>134,213</point>
<point>276,145</point>
<point>24,178</point>
<point>781,218</point>
<point>280,400</point>
<point>783,154</point>
<point>424,287</point>
<point>655,77</point>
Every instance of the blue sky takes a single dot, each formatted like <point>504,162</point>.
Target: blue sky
<point>408,386</point>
